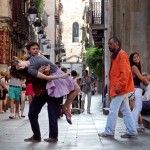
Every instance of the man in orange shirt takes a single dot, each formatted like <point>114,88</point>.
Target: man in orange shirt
<point>120,84</point>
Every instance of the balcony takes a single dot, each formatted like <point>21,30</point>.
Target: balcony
<point>20,22</point>
<point>57,11</point>
<point>96,22</point>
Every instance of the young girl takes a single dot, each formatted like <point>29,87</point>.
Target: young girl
<point>138,78</point>
<point>56,86</point>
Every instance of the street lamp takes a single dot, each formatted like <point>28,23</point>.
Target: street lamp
<point>48,46</point>
<point>38,25</point>
<point>32,11</point>
<point>40,34</point>
<point>43,38</point>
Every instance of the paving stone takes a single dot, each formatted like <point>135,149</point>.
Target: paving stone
<point>81,135</point>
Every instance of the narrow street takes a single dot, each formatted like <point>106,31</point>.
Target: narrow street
<point>82,134</point>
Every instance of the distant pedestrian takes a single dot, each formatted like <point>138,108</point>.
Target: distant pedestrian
<point>14,90</point>
<point>86,84</point>
<point>3,81</point>
<point>58,64</point>
<point>74,75</point>
<point>120,84</point>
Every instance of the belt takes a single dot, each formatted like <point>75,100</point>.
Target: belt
<point>14,86</point>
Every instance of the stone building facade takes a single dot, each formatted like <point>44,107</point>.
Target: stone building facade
<point>129,20</point>
<point>13,30</point>
<point>72,23</point>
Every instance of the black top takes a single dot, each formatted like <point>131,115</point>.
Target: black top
<point>136,80</point>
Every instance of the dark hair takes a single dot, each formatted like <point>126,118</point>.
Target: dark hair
<point>73,73</point>
<point>132,63</point>
<point>86,71</point>
<point>19,74</point>
<point>116,40</point>
<point>28,46</point>
<point>57,63</point>
<point>64,69</point>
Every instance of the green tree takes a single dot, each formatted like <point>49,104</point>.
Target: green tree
<point>40,5</point>
<point>94,59</point>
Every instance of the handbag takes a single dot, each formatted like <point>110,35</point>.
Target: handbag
<point>5,91</point>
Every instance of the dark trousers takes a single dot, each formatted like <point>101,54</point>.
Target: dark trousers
<point>61,102</point>
<point>53,108</point>
<point>145,108</point>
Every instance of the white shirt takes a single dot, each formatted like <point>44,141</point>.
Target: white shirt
<point>146,96</point>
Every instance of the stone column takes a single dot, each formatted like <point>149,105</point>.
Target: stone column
<point>107,34</point>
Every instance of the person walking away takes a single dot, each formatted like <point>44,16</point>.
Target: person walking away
<point>120,84</point>
<point>86,84</point>
<point>14,91</point>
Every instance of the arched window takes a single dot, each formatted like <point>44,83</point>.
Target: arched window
<point>75,32</point>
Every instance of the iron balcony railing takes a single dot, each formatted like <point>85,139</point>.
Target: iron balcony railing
<point>97,12</point>
<point>18,16</point>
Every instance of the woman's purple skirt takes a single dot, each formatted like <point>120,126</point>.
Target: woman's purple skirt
<point>60,87</point>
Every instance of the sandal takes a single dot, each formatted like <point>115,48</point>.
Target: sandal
<point>1,111</point>
<point>66,113</point>
<point>141,129</point>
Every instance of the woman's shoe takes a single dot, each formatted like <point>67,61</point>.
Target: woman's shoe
<point>1,111</point>
<point>68,117</point>
<point>66,113</point>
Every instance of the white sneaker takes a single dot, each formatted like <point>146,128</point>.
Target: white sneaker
<point>17,115</point>
<point>12,116</point>
<point>81,111</point>
<point>88,112</point>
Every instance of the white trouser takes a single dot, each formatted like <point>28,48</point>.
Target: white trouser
<point>120,102</point>
<point>137,106</point>
<point>89,94</point>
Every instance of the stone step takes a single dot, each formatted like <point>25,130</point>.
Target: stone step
<point>146,121</point>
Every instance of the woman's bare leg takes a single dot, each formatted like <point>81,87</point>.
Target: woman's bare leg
<point>12,106</point>
<point>70,97</point>
<point>1,106</point>
<point>140,121</point>
<point>30,99</point>
<point>22,102</point>
<point>17,103</point>
<point>5,104</point>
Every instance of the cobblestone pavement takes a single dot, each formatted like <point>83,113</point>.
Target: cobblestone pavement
<point>82,134</point>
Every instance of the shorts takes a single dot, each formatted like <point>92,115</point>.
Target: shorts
<point>14,92</point>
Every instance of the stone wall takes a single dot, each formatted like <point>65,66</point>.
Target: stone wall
<point>131,24</point>
<point>72,12</point>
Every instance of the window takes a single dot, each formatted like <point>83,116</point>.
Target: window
<point>75,32</point>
